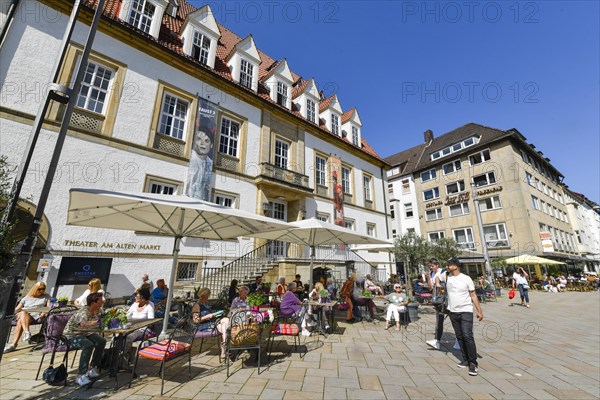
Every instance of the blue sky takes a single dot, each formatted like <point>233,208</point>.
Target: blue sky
<point>409,66</point>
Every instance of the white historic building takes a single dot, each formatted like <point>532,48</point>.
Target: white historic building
<point>584,215</point>
<point>152,61</point>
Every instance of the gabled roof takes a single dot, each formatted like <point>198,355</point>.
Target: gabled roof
<point>308,87</point>
<point>204,17</point>
<point>406,160</point>
<point>330,102</point>
<point>169,38</point>
<point>246,46</point>
<point>351,114</point>
<point>281,68</point>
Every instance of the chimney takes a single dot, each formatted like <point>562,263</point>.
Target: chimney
<point>428,136</point>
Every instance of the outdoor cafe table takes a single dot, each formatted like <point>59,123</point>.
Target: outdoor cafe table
<point>119,341</point>
<point>320,328</point>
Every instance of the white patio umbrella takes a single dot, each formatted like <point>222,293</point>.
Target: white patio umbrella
<point>176,216</point>
<point>313,232</point>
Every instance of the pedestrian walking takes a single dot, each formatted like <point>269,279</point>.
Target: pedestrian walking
<point>520,281</point>
<point>461,299</point>
<point>435,279</point>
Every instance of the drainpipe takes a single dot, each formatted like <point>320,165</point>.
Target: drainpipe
<point>385,205</point>
<point>12,9</point>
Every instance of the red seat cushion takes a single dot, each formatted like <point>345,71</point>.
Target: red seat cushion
<point>286,329</point>
<point>159,351</point>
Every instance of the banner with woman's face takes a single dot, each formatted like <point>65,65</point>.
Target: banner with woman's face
<point>200,173</point>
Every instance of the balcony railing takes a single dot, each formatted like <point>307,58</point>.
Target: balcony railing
<point>283,175</point>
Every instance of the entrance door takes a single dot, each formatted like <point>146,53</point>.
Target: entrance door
<point>277,248</point>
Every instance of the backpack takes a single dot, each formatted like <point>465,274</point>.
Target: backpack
<point>54,376</point>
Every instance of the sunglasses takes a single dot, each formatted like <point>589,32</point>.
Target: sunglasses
<point>41,289</point>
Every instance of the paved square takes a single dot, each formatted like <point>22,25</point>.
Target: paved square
<point>549,351</point>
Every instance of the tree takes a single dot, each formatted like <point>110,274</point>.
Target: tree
<point>412,248</point>
<point>8,240</point>
<point>445,248</point>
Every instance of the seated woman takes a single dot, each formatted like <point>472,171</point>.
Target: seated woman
<point>241,301</point>
<point>281,287</point>
<point>562,283</point>
<point>233,290</point>
<point>397,305</point>
<point>372,287</point>
<point>140,310</point>
<point>94,286</point>
<point>291,306</point>
<point>36,297</point>
<point>205,317</point>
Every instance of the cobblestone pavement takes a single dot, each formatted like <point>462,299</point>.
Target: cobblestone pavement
<point>549,351</point>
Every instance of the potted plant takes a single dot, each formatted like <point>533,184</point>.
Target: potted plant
<point>267,287</point>
<point>113,318</point>
<point>62,301</point>
<point>323,295</point>
<point>413,309</point>
<point>255,299</point>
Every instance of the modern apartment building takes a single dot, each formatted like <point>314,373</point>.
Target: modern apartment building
<point>160,72</point>
<point>520,193</point>
<point>584,215</point>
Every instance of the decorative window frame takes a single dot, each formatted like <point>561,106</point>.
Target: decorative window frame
<point>408,208</point>
<point>289,161</point>
<point>192,99</point>
<point>436,213</point>
<point>439,234</point>
<point>430,174</point>
<point>153,179</point>
<point>118,92</point>
<point>159,8</point>
<point>347,183</point>
<point>227,195</point>
<point>368,188</point>
<point>322,183</point>
<point>482,155</point>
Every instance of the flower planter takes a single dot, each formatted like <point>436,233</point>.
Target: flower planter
<point>255,308</point>
<point>114,323</point>
<point>63,303</point>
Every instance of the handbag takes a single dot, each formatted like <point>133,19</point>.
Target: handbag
<point>54,376</point>
<point>511,294</point>
<point>439,300</point>
<point>526,286</point>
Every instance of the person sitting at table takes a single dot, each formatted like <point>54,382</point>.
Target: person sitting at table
<point>241,301</point>
<point>314,295</point>
<point>94,286</point>
<point>298,282</point>
<point>397,305</point>
<point>562,283</point>
<point>549,285</point>
<point>204,316</point>
<point>360,301</point>
<point>36,297</point>
<point>88,343</point>
<point>281,287</point>
<point>233,290</point>
<point>159,299</point>
<point>257,286</point>
<point>133,297</point>
<point>291,306</point>
<point>481,287</point>
<point>331,289</point>
<point>140,310</point>
<point>372,287</point>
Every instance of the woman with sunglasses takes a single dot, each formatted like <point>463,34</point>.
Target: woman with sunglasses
<point>36,297</point>
<point>94,286</point>
<point>397,305</point>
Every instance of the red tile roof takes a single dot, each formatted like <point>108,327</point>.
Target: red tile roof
<point>325,103</point>
<point>347,115</point>
<point>170,37</point>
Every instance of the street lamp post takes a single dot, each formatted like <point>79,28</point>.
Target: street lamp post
<point>488,266</point>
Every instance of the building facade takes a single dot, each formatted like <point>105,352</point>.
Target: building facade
<point>523,208</point>
<point>584,215</point>
<point>157,67</point>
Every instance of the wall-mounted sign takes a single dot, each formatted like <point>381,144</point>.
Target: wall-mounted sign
<point>460,198</point>
<point>547,245</point>
<point>111,245</point>
<point>79,270</point>
<point>489,191</point>
<point>434,204</point>
<point>44,265</point>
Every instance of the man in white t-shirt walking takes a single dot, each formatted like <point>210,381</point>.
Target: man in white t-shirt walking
<point>435,278</point>
<point>461,299</point>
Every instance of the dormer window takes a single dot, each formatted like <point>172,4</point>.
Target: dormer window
<point>335,124</point>
<point>141,15</point>
<point>355,136</point>
<point>201,47</point>
<point>246,71</point>
<point>282,94</point>
<point>310,110</point>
